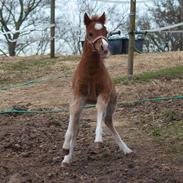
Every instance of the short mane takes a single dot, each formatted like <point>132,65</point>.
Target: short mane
<point>94,18</point>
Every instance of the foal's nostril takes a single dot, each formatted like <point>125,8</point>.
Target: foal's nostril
<point>102,48</point>
<point>105,52</point>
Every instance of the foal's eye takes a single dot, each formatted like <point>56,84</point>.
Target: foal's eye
<point>90,34</point>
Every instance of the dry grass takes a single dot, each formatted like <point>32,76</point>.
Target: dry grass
<point>55,93</point>
<point>145,62</point>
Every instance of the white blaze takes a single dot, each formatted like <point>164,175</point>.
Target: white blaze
<point>98,26</point>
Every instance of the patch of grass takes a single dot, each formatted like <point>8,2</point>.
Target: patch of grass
<point>169,131</point>
<point>144,77</point>
<point>26,65</point>
<point>119,80</point>
<point>164,123</point>
<point>71,58</point>
<point>169,72</point>
<point>4,81</point>
<point>170,115</point>
<point>171,136</point>
<point>156,132</point>
<point>26,70</point>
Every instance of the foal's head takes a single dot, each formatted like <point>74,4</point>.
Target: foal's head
<point>96,34</point>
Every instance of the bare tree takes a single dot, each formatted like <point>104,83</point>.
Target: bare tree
<point>21,15</point>
<point>71,31</point>
<point>163,13</point>
<point>14,16</point>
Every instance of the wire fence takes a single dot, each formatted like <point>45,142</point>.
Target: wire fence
<point>123,1</point>
<point>126,103</point>
<point>27,31</point>
<point>166,29</point>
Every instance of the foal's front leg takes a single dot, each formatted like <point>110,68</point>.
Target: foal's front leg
<point>72,131</point>
<point>101,108</point>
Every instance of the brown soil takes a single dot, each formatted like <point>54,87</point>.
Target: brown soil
<point>30,151</point>
<point>30,148</point>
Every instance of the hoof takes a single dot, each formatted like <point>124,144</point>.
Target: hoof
<point>64,165</point>
<point>98,145</point>
<point>128,151</point>
<point>65,151</point>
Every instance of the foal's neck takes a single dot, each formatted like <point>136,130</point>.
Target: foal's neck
<point>90,57</point>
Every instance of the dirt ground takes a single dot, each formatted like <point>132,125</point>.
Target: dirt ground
<point>30,148</point>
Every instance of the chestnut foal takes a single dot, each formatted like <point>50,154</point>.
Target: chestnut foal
<point>92,85</point>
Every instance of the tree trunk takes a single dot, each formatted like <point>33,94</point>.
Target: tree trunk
<point>181,14</point>
<point>181,10</point>
<point>12,48</point>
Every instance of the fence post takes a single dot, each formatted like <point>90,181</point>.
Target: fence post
<point>181,13</point>
<point>181,10</point>
<point>131,43</point>
<point>52,30</point>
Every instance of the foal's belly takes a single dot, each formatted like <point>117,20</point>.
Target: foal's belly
<point>90,91</point>
<point>91,100</point>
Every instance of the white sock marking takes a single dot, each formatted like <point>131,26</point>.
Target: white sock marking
<point>121,143</point>
<point>68,134</point>
<point>98,137</point>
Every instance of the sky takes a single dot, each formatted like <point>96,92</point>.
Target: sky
<point>141,7</point>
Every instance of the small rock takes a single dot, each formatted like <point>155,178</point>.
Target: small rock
<point>16,178</point>
<point>56,159</point>
<point>126,170</point>
<point>17,147</point>
<point>41,146</point>
<point>50,175</point>
<point>166,168</point>
<point>130,165</point>
<point>26,154</point>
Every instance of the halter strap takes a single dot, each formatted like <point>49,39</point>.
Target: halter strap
<point>94,41</point>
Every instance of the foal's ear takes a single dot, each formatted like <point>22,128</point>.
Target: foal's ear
<point>87,19</point>
<point>102,19</point>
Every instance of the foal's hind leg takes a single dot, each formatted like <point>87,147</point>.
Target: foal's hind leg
<point>109,123</point>
<point>72,131</point>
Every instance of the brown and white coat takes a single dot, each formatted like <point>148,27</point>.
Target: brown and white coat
<point>92,84</point>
